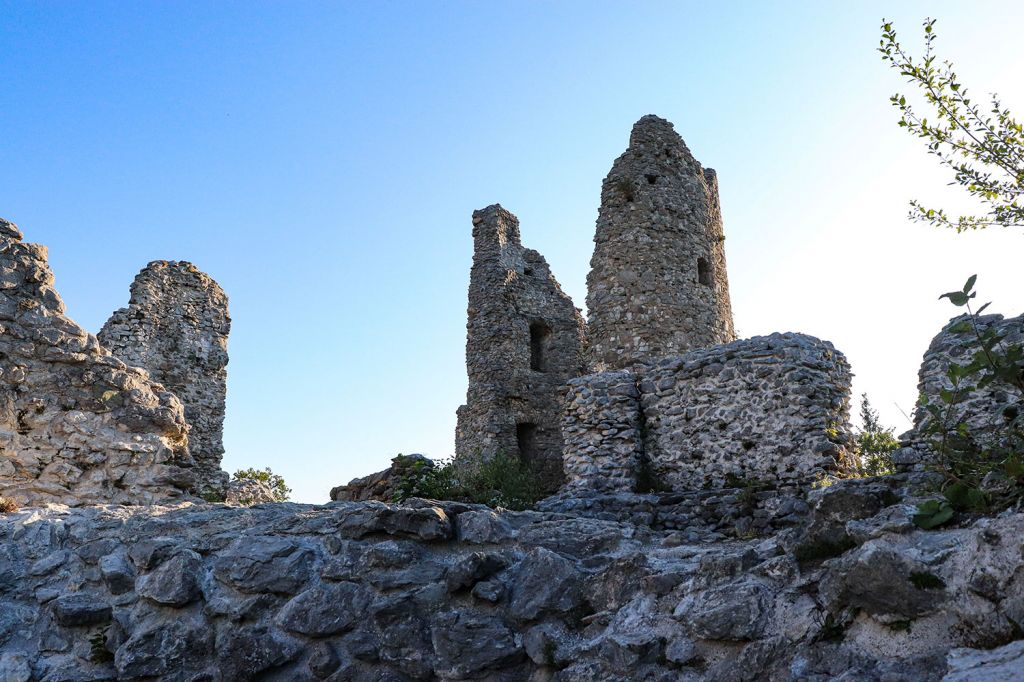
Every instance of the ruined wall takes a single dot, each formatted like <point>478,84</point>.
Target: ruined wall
<point>771,409</point>
<point>176,326</point>
<point>77,426</point>
<point>602,429</point>
<point>658,284</point>
<point>525,339</point>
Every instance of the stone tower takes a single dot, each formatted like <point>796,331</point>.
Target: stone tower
<point>525,340</point>
<point>657,285</point>
<point>176,326</point>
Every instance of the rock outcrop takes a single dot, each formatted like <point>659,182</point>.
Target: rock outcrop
<point>525,340</point>
<point>981,410</point>
<point>176,327</point>
<point>658,285</point>
<point>385,485</point>
<point>444,591</point>
<point>77,426</point>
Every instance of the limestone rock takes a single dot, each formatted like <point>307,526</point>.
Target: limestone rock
<point>618,604</point>
<point>175,582</point>
<point>245,492</point>
<point>81,609</point>
<point>77,425</point>
<point>383,485</point>
<point>176,327</point>
<point>525,339</point>
<point>657,285</point>
<point>984,410</point>
<point>1003,664</point>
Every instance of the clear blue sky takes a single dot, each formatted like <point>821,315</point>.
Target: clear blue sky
<point>321,160</point>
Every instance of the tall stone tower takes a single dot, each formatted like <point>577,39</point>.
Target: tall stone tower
<point>524,341</point>
<point>176,326</point>
<point>657,285</point>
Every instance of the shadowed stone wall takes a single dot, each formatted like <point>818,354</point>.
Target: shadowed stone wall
<point>176,327</point>
<point>602,427</point>
<point>658,285</point>
<point>525,340</point>
<point>77,426</point>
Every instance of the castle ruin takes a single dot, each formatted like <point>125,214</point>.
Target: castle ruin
<point>658,284</point>
<point>176,327</point>
<point>77,425</point>
<point>672,397</point>
<point>524,341</point>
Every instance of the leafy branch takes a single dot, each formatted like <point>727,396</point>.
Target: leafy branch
<point>983,147</point>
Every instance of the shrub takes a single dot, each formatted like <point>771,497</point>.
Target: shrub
<point>276,482</point>
<point>502,481</point>
<point>874,443</point>
<point>7,505</point>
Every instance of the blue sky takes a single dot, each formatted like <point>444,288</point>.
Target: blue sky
<point>322,161</point>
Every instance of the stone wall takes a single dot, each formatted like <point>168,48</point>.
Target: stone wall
<point>602,429</point>
<point>176,327</point>
<point>771,409</point>
<point>370,592</point>
<point>658,284</point>
<point>77,426</point>
<point>525,339</point>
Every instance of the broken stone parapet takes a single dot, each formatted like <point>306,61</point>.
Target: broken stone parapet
<point>77,425</point>
<point>658,284</point>
<point>176,327</point>
<point>984,410</point>
<point>525,340</point>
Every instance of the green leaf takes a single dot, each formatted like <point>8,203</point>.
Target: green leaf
<point>970,283</point>
<point>957,298</point>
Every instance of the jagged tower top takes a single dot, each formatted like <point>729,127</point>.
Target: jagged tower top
<point>658,284</point>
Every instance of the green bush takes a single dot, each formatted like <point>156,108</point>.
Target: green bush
<point>276,482</point>
<point>875,443</point>
<point>502,481</point>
